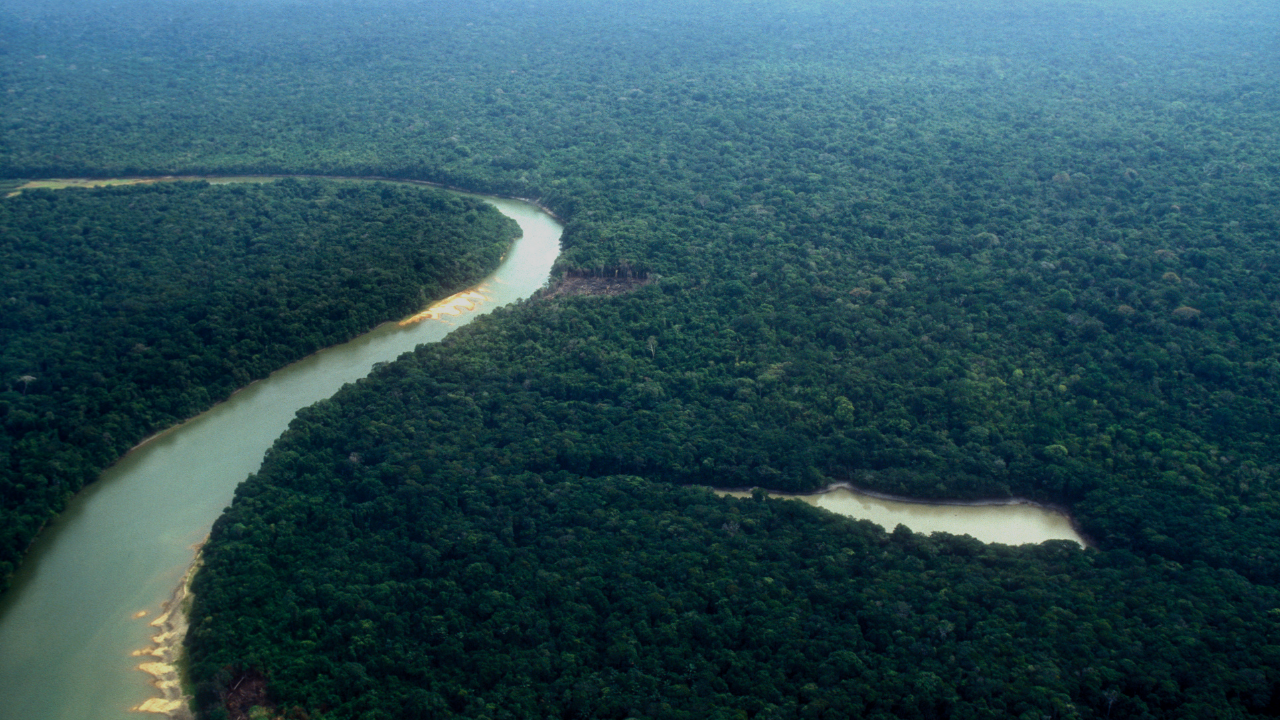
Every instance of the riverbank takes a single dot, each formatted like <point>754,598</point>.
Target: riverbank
<point>69,625</point>
<point>57,183</point>
<point>1061,510</point>
<point>165,668</point>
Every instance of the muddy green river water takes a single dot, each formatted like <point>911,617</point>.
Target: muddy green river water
<point>79,613</point>
<point>98,575</point>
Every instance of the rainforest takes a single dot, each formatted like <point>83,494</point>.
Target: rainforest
<point>944,251</point>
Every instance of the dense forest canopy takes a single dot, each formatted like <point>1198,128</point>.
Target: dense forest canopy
<point>942,250</point>
<point>128,309</point>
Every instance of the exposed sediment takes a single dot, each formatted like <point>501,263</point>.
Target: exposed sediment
<point>454,305</point>
<point>166,649</point>
<point>573,285</point>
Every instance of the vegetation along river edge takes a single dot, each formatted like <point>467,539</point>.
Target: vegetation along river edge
<point>102,565</point>
<point>172,620</point>
<point>935,250</point>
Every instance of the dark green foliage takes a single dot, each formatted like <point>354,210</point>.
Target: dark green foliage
<point>369,571</point>
<point>987,239</point>
<point>131,308</point>
<point>939,249</point>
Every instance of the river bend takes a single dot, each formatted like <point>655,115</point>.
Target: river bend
<point>96,577</point>
<point>81,605</point>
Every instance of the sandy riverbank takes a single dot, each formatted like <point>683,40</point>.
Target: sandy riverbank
<point>166,652</point>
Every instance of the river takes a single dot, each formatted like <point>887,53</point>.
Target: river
<point>96,577</point>
<point>79,612</point>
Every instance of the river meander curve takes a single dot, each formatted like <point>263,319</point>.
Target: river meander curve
<point>97,576</point>
<point>81,606</point>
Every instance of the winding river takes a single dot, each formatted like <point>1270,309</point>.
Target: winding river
<point>76,625</point>
<point>82,602</point>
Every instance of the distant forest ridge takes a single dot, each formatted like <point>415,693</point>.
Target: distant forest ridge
<point>939,250</point>
<point>18,185</point>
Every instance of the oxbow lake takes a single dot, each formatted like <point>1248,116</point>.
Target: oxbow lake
<point>75,627</point>
<point>1010,523</point>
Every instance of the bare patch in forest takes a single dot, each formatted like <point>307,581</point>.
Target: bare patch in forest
<point>249,692</point>
<point>569,286</point>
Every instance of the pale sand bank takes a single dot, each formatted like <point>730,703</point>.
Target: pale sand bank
<point>166,648</point>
